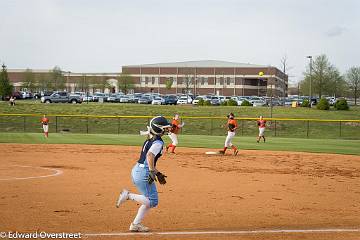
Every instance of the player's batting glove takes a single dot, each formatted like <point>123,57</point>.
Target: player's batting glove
<point>152,177</point>
<point>161,178</point>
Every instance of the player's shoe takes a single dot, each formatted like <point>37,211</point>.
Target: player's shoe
<point>124,195</point>
<point>257,141</point>
<point>222,152</point>
<point>167,148</point>
<point>138,228</point>
<point>236,152</point>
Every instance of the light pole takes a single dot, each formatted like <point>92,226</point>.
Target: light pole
<point>310,97</point>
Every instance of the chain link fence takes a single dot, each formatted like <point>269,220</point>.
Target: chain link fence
<point>286,128</point>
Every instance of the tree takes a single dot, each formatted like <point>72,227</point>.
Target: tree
<point>5,87</point>
<point>188,81</point>
<point>337,85</point>
<point>30,82</point>
<point>57,78</point>
<point>324,77</point>
<point>285,68</point>
<point>168,83</point>
<point>126,82</point>
<point>353,80</point>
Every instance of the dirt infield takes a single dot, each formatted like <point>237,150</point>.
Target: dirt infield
<point>73,188</point>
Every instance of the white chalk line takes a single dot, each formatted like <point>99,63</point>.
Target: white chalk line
<point>57,172</point>
<point>241,232</point>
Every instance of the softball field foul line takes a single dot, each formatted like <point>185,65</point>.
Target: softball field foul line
<point>243,232</point>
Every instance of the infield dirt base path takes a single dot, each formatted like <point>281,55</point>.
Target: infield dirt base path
<point>254,190</point>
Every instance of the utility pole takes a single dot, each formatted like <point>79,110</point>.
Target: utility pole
<point>310,93</point>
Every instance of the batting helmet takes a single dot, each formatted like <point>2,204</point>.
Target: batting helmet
<point>158,125</point>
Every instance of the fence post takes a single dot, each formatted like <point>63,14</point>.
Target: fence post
<point>24,123</point>
<point>275,128</point>
<point>56,124</point>
<point>242,127</point>
<point>307,129</point>
<point>118,125</point>
<point>340,127</point>
<point>211,127</point>
<point>87,125</point>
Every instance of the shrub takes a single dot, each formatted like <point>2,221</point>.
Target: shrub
<point>323,104</point>
<point>207,103</point>
<point>246,103</point>
<point>223,103</point>
<point>201,102</point>
<point>231,102</point>
<point>305,103</point>
<point>341,105</point>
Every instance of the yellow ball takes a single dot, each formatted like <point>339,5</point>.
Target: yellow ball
<point>261,73</point>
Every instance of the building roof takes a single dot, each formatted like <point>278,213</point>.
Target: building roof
<point>202,64</point>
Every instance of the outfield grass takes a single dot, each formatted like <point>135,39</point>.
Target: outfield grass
<point>291,129</point>
<point>199,141</point>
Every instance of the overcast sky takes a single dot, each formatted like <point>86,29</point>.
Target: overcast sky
<point>102,36</point>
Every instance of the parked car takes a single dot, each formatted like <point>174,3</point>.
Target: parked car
<point>98,95</point>
<point>145,100</point>
<point>331,100</point>
<point>258,103</point>
<point>37,95</point>
<point>124,99</point>
<point>184,100</point>
<point>26,95</point>
<point>170,100</point>
<point>113,98</point>
<point>88,98</point>
<point>158,101</point>
<point>61,97</point>
<point>198,98</point>
<point>215,101</point>
<point>240,100</point>
<point>133,98</point>
<point>17,95</point>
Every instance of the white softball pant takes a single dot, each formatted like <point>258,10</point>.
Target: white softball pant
<point>229,137</point>
<point>46,128</point>
<point>174,139</point>
<point>261,132</point>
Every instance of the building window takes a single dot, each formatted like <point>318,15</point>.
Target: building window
<point>221,81</point>
<point>175,80</point>
<point>152,80</point>
<point>232,81</point>
<point>143,80</point>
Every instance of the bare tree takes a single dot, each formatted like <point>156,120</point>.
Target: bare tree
<point>285,64</point>
<point>126,82</point>
<point>29,80</point>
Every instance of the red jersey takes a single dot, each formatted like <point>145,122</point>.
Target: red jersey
<point>45,121</point>
<point>175,126</point>
<point>232,123</point>
<point>261,123</point>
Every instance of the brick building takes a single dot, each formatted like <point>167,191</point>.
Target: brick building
<point>209,77</point>
<point>196,77</point>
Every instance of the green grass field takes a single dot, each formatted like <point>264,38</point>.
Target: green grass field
<point>199,141</point>
<point>213,127</point>
<point>188,110</point>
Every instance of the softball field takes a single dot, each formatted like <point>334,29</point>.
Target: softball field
<point>255,195</point>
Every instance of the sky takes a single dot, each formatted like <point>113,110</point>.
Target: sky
<point>102,36</point>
